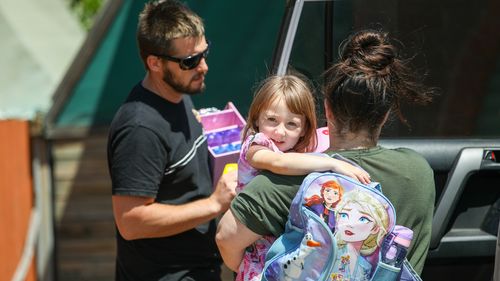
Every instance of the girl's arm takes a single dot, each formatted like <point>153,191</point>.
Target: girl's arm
<point>292,163</point>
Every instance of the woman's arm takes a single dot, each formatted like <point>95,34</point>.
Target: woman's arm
<point>291,163</point>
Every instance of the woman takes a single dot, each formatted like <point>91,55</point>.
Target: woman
<point>369,82</point>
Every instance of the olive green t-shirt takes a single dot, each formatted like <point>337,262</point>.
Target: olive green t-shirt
<point>405,176</point>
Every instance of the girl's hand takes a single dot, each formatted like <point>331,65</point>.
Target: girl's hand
<point>349,170</point>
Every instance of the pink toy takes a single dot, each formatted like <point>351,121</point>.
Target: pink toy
<point>223,131</point>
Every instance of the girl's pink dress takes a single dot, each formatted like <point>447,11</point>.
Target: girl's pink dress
<point>253,260</point>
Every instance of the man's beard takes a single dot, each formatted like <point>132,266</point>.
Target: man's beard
<point>181,88</point>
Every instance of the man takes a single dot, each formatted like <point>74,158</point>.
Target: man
<point>163,203</point>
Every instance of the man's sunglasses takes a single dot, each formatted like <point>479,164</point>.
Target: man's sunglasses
<point>189,62</point>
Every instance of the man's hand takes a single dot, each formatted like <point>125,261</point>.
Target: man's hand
<point>225,191</point>
<point>140,217</point>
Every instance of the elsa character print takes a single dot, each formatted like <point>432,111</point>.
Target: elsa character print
<point>362,222</point>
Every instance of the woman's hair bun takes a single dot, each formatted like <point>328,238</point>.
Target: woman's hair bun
<point>368,50</point>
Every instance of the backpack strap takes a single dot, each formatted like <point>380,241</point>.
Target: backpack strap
<point>294,215</point>
<point>373,184</point>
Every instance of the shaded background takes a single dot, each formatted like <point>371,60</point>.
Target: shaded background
<point>455,44</point>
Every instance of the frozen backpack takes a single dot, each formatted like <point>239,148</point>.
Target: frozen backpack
<point>340,229</point>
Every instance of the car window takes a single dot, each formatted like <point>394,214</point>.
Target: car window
<point>454,45</point>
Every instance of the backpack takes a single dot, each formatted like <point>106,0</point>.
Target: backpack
<point>321,241</point>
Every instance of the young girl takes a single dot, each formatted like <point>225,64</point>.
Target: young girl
<point>281,126</point>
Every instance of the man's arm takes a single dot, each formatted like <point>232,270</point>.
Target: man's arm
<point>140,217</point>
<point>232,238</point>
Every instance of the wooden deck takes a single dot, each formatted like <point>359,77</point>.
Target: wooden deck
<point>85,231</point>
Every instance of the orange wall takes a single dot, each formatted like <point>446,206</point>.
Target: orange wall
<point>16,197</point>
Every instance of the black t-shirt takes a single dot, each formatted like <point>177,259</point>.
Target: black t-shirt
<point>157,149</point>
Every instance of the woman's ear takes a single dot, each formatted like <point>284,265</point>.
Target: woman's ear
<point>328,112</point>
<point>375,229</point>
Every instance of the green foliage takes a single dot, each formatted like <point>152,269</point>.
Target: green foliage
<point>86,11</point>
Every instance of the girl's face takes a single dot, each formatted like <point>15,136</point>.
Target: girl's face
<point>354,224</point>
<point>283,127</point>
<point>331,195</point>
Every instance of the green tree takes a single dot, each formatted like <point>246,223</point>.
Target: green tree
<point>86,10</point>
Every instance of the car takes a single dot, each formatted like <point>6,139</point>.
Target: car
<point>465,162</point>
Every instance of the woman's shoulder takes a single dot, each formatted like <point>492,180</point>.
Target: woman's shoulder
<point>403,152</point>
<point>407,155</point>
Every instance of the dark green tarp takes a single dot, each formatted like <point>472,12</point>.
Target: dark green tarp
<point>243,36</point>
